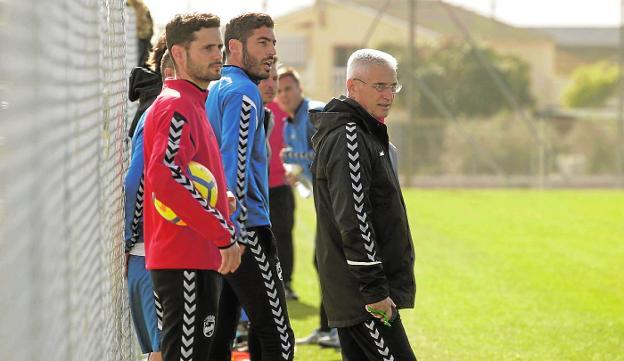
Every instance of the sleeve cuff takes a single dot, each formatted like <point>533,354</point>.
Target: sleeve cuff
<point>229,245</point>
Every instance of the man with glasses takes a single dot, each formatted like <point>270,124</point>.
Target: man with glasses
<point>364,248</point>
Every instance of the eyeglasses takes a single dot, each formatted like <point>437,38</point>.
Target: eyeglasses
<point>380,87</point>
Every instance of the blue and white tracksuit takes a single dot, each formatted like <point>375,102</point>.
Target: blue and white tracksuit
<point>298,132</point>
<point>235,110</point>
<point>140,291</point>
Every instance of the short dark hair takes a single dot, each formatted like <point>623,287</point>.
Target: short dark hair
<point>242,26</point>
<point>156,54</point>
<point>288,71</point>
<point>180,30</point>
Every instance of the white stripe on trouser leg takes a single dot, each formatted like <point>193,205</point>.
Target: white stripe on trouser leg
<point>382,348</point>
<point>270,284</point>
<point>159,310</point>
<point>188,319</point>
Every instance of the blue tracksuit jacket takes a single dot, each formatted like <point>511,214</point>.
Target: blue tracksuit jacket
<point>235,111</point>
<point>133,185</point>
<point>298,132</point>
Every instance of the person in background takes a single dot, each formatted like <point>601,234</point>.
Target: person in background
<point>144,29</point>
<point>268,90</point>
<point>298,155</point>
<point>281,198</point>
<point>143,308</point>
<point>145,83</point>
<point>298,129</point>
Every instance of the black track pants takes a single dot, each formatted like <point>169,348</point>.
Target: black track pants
<point>187,301</point>
<point>282,206</point>
<point>257,287</point>
<point>373,341</point>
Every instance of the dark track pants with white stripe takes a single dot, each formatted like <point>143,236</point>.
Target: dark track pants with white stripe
<point>282,208</point>
<point>257,287</point>
<point>189,301</point>
<point>373,341</point>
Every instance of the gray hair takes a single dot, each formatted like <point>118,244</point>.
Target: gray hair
<point>365,57</point>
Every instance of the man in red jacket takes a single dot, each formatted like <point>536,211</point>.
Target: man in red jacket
<point>281,198</point>
<point>185,260</point>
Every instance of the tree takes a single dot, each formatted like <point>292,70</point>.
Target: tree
<point>591,85</point>
<point>455,74</point>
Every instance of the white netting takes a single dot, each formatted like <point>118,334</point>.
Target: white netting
<point>132,52</point>
<point>63,88</point>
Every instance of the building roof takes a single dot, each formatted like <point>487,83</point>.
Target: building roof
<point>583,37</point>
<point>434,15</point>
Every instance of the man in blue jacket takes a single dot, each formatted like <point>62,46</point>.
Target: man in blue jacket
<point>143,309</point>
<point>298,130</point>
<point>235,111</point>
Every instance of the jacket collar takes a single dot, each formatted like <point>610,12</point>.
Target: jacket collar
<point>342,110</point>
<point>302,109</point>
<point>238,70</point>
<point>371,124</point>
<point>189,89</point>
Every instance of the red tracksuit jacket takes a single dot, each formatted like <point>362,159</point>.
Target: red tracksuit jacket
<point>177,132</point>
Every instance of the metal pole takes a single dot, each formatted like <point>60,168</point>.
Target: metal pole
<point>620,117</point>
<point>542,156</point>
<point>411,92</point>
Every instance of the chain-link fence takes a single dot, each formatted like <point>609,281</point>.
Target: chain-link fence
<point>565,151</point>
<point>63,89</point>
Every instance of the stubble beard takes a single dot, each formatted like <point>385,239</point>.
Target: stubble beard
<point>196,72</point>
<point>253,66</point>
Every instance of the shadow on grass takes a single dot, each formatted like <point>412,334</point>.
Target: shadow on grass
<point>300,310</point>
<point>316,353</point>
<point>320,353</point>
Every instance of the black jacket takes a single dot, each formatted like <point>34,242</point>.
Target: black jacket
<point>364,248</point>
<point>144,85</point>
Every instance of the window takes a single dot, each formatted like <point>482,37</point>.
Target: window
<point>292,51</point>
<point>342,54</point>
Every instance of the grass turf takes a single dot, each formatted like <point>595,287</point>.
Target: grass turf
<point>501,275</point>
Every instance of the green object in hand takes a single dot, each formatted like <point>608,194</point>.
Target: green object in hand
<point>384,317</point>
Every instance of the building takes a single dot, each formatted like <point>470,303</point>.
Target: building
<point>318,39</point>
<point>576,46</point>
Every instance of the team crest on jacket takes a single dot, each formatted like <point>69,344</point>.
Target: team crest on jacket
<point>278,268</point>
<point>209,326</point>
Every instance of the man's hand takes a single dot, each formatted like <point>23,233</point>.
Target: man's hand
<point>384,306</point>
<point>230,259</point>
<point>231,201</point>
<point>291,179</point>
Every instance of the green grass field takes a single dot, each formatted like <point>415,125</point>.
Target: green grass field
<point>501,275</point>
